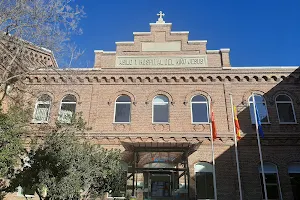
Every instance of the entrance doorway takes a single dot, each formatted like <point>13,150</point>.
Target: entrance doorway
<point>164,170</point>
<point>160,185</point>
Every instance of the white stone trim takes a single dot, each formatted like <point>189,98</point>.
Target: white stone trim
<point>159,24</point>
<point>226,68</point>
<point>45,49</point>
<point>226,50</point>
<point>109,52</point>
<point>141,33</point>
<point>104,52</point>
<point>124,42</point>
<point>180,32</point>
<point>196,41</point>
<point>212,51</point>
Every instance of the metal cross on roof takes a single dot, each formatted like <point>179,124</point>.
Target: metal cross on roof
<point>160,19</point>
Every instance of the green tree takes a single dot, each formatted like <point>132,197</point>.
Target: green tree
<point>38,24</point>
<point>64,167</point>
<point>13,124</point>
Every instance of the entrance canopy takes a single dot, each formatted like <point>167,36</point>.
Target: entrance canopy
<point>157,152</point>
<point>162,164</point>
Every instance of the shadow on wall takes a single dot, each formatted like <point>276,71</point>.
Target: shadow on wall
<point>280,146</point>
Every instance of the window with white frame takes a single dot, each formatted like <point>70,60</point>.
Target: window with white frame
<point>67,108</point>
<point>285,109</point>
<point>204,180</point>
<point>294,173</point>
<point>272,181</point>
<point>160,109</point>
<point>42,109</point>
<point>199,109</point>
<point>261,106</point>
<point>122,109</point>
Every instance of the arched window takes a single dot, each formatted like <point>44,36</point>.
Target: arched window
<point>294,172</point>
<point>42,109</point>
<point>272,181</point>
<point>122,109</point>
<point>199,108</point>
<point>160,109</point>
<point>67,108</point>
<point>285,109</point>
<point>261,106</point>
<point>204,180</point>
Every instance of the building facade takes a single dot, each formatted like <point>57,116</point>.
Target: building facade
<point>153,98</point>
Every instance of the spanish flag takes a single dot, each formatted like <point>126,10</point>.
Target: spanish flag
<point>213,125</point>
<point>237,124</point>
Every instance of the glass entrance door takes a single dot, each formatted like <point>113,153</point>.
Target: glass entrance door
<point>160,185</point>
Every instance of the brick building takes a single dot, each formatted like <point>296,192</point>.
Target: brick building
<point>152,98</point>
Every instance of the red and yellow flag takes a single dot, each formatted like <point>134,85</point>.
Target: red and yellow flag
<point>213,125</point>
<point>237,124</point>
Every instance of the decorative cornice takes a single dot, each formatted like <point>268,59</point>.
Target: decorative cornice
<point>163,79</point>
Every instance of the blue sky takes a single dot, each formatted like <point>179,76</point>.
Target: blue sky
<point>258,32</point>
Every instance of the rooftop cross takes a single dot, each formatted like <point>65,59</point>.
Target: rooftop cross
<point>160,19</point>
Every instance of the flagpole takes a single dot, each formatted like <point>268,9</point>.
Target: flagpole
<point>259,149</point>
<point>236,150</point>
<point>213,155</point>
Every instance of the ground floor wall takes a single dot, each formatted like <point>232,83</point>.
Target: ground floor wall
<point>281,153</point>
<point>226,175</point>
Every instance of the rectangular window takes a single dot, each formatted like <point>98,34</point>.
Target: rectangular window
<point>199,111</point>
<point>122,113</point>
<point>205,185</point>
<point>295,182</point>
<point>161,113</point>
<point>272,186</point>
